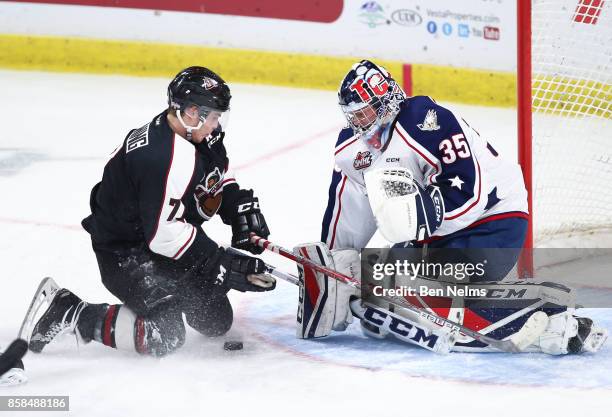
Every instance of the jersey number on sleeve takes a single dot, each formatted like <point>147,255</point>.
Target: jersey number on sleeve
<point>455,148</point>
<point>176,205</point>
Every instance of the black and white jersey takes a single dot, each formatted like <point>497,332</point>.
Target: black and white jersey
<point>147,193</point>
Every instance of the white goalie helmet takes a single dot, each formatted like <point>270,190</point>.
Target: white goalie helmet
<point>369,97</point>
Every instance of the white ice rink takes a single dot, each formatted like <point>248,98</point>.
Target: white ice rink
<point>56,133</point>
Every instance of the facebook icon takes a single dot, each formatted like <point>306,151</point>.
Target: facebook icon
<point>432,27</point>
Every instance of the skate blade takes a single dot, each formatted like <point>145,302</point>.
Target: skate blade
<point>42,298</point>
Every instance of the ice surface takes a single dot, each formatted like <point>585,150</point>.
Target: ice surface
<point>58,130</point>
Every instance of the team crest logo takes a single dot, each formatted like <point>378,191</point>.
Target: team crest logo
<point>212,181</point>
<point>362,160</point>
<point>431,121</point>
<point>209,83</point>
<point>207,202</point>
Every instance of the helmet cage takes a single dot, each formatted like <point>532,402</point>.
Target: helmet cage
<point>369,97</point>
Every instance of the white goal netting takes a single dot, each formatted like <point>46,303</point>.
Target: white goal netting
<point>572,118</point>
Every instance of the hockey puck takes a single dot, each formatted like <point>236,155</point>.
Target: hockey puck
<point>232,345</point>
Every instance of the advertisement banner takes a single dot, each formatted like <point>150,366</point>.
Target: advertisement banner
<point>472,34</point>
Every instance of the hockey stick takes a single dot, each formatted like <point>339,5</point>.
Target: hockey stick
<point>534,326</point>
<point>270,269</point>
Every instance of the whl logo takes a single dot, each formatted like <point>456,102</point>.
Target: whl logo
<point>362,160</point>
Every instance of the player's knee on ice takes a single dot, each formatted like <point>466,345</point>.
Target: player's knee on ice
<point>157,293</point>
<point>211,316</point>
<point>160,333</point>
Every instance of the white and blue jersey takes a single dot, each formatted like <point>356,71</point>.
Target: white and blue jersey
<point>440,149</point>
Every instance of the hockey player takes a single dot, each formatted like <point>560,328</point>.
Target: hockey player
<point>421,175</point>
<point>467,195</point>
<point>160,185</point>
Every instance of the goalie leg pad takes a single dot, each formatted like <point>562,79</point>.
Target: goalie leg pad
<point>431,338</point>
<point>347,262</point>
<point>567,333</point>
<point>323,303</point>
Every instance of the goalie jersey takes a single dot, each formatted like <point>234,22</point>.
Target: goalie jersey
<point>440,149</point>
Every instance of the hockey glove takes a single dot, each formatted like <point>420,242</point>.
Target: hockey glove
<point>248,219</point>
<point>238,272</point>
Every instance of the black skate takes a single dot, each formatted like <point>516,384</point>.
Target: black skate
<point>60,317</point>
<point>589,337</point>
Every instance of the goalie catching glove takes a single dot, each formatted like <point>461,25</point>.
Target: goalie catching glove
<point>404,211</point>
<point>238,272</point>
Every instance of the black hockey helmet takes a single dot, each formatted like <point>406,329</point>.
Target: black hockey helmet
<point>201,87</point>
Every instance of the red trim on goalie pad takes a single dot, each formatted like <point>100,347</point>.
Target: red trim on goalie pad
<point>310,281</point>
<point>473,321</point>
<point>414,301</point>
<point>588,11</point>
<point>442,305</point>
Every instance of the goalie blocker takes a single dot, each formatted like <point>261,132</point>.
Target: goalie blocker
<point>543,319</point>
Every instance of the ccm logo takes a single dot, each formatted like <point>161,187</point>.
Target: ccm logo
<point>248,206</point>
<point>506,293</point>
<point>392,159</point>
<point>400,327</point>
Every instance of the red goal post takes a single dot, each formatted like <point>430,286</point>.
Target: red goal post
<point>564,78</point>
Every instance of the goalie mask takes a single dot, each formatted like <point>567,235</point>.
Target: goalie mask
<point>369,98</point>
<point>200,87</point>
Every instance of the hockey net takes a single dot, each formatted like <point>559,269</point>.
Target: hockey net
<point>571,143</point>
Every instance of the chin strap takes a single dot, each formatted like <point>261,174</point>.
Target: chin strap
<point>189,129</point>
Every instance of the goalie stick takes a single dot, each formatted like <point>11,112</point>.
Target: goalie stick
<point>532,328</point>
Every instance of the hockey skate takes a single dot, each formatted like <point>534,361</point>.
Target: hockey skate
<point>12,371</point>
<point>14,376</point>
<point>61,315</point>
<point>588,338</point>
